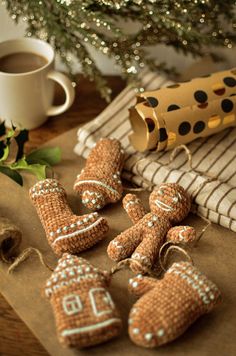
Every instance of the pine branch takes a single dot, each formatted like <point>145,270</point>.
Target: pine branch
<point>73,27</point>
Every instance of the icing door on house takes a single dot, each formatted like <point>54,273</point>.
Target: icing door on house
<point>101,301</point>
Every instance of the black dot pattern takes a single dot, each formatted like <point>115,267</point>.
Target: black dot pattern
<point>173,107</point>
<point>153,102</point>
<point>198,127</point>
<point>200,96</point>
<point>220,91</point>
<point>151,124</point>
<point>227,105</point>
<point>184,128</point>
<point>230,81</point>
<point>162,134</point>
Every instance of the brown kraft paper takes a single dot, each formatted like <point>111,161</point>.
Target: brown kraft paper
<point>214,256</point>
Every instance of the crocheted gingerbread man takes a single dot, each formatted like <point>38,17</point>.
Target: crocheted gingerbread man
<point>169,204</point>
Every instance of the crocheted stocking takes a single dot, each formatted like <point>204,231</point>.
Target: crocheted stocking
<point>84,311</point>
<point>99,182</point>
<point>167,307</point>
<point>65,231</point>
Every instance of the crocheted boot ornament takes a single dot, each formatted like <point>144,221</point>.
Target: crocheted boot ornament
<point>65,231</point>
<point>99,182</point>
<point>167,307</point>
<point>169,204</point>
<point>84,311</point>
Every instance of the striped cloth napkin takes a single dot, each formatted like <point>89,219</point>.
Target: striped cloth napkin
<point>215,155</point>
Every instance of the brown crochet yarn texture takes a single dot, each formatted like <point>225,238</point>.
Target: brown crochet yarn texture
<point>99,182</point>
<point>84,311</point>
<point>167,307</point>
<point>169,204</point>
<point>65,231</point>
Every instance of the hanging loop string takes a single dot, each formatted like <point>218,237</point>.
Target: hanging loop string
<point>163,256</point>
<point>210,177</point>
<point>25,255</point>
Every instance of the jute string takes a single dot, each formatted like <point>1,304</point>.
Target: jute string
<point>25,255</point>
<point>210,177</point>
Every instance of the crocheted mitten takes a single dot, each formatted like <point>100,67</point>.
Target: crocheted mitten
<point>65,231</point>
<point>99,182</point>
<point>84,311</point>
<point>167,307</point>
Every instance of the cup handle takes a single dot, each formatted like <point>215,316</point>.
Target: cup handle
<point>69,90</point>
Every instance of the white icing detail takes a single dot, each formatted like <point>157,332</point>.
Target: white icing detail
<point>181,237</point>
<point>68,332</point>
<point>136,331</point>
<point>150,224</point>
<point>160,332</point>
<point>180,196</point>
<point>138,256</point>
<point>131,202</point>
<point>59,230</point>
<point>130,321</point>
<point>148,336</point>
<point>51,233</point>
<point>135,284</point>
<point>163,206</point>
<point>78,232</point>
<point>116,243</point>
<point>175,199</point>
<point>97,182</point>
<point>94,201</point>
<point>107,298</point>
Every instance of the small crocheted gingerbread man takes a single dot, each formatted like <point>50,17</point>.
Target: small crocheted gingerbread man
<point>99,182</point>
<point>167,307</point>
<point>169,204</point>
<point>65,231</point>
<point>84,311</point>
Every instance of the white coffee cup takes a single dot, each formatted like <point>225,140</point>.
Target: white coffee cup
<point>26,98</point>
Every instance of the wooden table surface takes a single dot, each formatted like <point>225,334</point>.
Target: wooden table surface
<point>15,338</point>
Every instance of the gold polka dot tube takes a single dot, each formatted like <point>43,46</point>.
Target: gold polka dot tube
<point>180,113</point>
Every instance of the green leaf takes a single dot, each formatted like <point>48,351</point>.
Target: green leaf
<point>51,155</point>
<point>2,129</point>
<point>5,153</point>
<point>21,139</point>
<point>12,174</point>
<point>37,169</point>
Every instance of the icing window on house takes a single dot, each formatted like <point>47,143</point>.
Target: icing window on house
<point>72,304</point>
<point>101,301</point>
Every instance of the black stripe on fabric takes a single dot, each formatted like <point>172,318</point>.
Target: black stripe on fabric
<point>205,156</point>
<point>225,167</point>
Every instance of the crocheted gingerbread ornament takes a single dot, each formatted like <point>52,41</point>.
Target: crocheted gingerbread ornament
<point>65,231</point>
<point>167,307</point>
<point>99,182</point>
<point>84,311</point>
<point>169,204</point>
